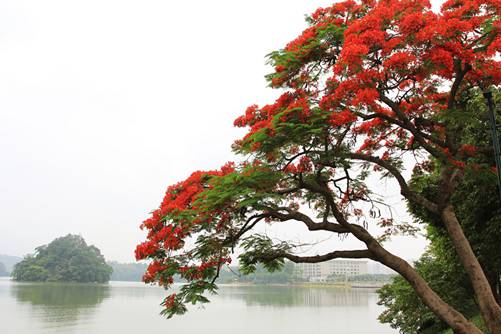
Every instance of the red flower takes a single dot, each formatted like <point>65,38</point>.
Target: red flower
<point>342,118</point>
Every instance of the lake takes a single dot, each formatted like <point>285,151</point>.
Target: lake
<point>132,308</point>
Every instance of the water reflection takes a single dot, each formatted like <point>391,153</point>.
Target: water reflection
<point>129,308</point>
<point>60,305</point>
<point>138,290</point>
<point>61,295</point>
<point>288,296</point>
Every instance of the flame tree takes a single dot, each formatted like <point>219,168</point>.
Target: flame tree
<point>365,85</point>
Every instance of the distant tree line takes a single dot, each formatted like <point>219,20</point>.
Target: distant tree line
<point>3,270</point>
<point>365,278</point>
<point>290,274</point>
<point>9,261</point>
<point>66,259</point>
<point>260,276</point>
<point>132,272</point>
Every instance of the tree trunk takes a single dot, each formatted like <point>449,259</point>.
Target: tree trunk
<point>489,308</point>
<point>444,311</point>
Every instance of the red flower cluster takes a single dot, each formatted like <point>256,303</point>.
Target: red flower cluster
<point>388,47</point>
<point>369,126</point>
<point>153,268</point>
<point>288,105</point>
<point>173,220</point>
<point>199,271</point>
<point>298,45</point>
<point>469,150</point>
<point>169,301</point>
<point>342,118</point>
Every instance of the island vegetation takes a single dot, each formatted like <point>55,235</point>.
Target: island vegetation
<point>66,259</point>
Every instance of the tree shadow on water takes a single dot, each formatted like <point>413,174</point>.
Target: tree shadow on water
<point>293,296</point>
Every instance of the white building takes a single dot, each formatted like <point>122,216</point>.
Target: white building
<point>347,267</point>
<point>377,268</point>
<point>320,271</point>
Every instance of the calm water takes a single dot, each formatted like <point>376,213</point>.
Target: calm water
<point>125,308</point>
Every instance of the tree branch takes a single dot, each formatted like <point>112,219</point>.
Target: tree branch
<point>420,137</point>
<point>346,254</point>
<point>460,73</point>
<point>301,217</point>
<point>404,187</point>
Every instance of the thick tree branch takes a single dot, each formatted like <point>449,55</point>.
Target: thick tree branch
<point>310,223</point>
<point>345,254</point>
<point>460,73</point>
<point>286,191</point>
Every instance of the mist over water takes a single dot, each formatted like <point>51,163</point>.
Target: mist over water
<point>126,307</point>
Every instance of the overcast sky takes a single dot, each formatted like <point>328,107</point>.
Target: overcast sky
<point>105,103</point>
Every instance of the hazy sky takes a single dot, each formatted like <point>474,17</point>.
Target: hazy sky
<point>105,103</point>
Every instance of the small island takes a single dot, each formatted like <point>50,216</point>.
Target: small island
<point>66,259</point>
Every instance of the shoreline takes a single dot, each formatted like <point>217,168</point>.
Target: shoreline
<point>371,286</point>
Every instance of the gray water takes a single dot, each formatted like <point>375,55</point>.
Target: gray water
<point>132,308</point>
